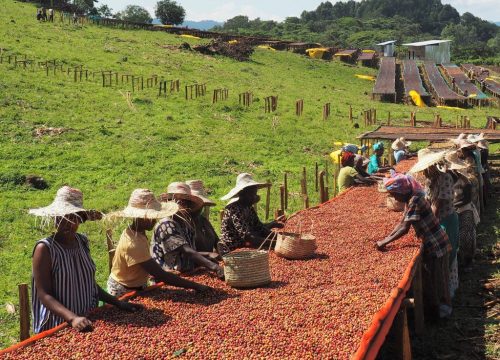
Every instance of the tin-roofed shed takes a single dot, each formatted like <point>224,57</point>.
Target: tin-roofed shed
<point>437,51</point>
<point>387,48</point>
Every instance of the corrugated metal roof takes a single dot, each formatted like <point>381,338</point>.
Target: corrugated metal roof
<point>387,42</point>
<point>425,43</point>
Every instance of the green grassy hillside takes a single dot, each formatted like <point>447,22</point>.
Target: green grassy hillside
<point>111,148</point>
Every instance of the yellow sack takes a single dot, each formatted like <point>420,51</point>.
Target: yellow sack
<point>266,47</point>
<point>335,156</point>
<point>232,42</point>
<point>190,36</point>
<point>365,77</point>
<point>316,53</point>
<point>369,51</point>
<point>449,107</point>
<point>417,100</point>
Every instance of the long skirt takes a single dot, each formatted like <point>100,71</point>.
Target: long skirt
<point>435,281</point>
<point>454,282</point>
<point>450,225</point>
<point>467,237</point>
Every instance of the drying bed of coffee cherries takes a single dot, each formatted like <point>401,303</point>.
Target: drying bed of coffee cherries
<point>316,308</point>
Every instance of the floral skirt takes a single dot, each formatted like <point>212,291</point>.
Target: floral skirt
<point>116,289</point>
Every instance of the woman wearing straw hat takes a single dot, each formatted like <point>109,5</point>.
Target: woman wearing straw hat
<point>205,237</point>
<point>439,186</point>
<point>418,213</point>
<point>467,152</point>
<point>401,149</point>
<point>467,214</point>
<point>132,263</point>
<point>63,283</point>
<point>173,246</point>
<point>375,164</point>
<point>241,226</point>
<point>483,154</point>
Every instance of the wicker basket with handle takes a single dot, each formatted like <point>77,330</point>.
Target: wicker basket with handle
<point>295,246</point>
<point>247,268</point>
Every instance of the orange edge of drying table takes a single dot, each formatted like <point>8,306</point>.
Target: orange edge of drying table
<point>54,330</point>
<point>371,341</point>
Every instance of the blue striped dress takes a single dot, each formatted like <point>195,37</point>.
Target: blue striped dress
<point>73,283</point>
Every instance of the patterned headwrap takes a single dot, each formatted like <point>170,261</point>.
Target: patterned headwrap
<point>378,146</point>
<point>350,148</point>
<point>403,184</point>
<point>346,158</point>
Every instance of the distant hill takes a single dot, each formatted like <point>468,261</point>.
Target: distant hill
<point>201,25</point>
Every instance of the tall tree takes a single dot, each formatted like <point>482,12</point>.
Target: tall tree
<point>135,13</point>
<point>169,12</point>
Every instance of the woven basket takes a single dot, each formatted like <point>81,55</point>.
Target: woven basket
<point>247,269</point>
<point>295,246</point>
<point>394,205</point>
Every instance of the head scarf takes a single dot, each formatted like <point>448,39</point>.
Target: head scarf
<point>346,158</point>
<point>378,146</point>
<point>403,184</point>
<point>350,148</point>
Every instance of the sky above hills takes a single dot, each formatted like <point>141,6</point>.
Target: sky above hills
<point>279,9</point>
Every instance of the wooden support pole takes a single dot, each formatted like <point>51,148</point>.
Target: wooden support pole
<point>350,113</point>
<point>322,187</point>
<point>306,201</point>
<point>316,179</point>
<point>268,198</point>
<point>282,197</point>
<point>111,248</point>
<point>402,335</point>
<point>24,312</point>
<point>285,184</point>
<point>418,300</point>
<point>221,215</point>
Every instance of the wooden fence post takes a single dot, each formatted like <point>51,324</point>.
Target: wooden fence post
<point>282,197</point>
<point>285,185</point>
<point>316,179</point>
<point>322,187</point>
<point>268,198</point>
<point>111,248</point>
<point>24,312</point>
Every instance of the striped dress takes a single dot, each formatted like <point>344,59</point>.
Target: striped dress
<point>73,283</point>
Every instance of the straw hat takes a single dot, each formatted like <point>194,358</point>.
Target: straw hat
<point>454,162</point>
<point>464,144</point>
<point>180,190</point>
<point>198,189</point>
<point>143,204</point>
<point>426,159</point>
<point>68,201</point>
<point>400,144</point>
<point>243,181</point>
<point>479,140</point>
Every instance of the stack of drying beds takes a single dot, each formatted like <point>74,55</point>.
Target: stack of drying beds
<point>439,88</point>
<point>385,86</point>
<point>486,83</point>
<point>463,84</point>
<point>413,81</point>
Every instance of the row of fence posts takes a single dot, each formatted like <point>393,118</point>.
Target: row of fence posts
<point>110,78</point>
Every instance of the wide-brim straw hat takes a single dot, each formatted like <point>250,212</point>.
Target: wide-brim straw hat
<point>426,159</point>
<point>243,181</point>
<point>478,140</point>
<point>464,144</point>
<point>400,144</point>
<point>143,205</point>
<point>198,189</point>
<point>454,162</point>
<point>181,191</point>
<point>68,201</point>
